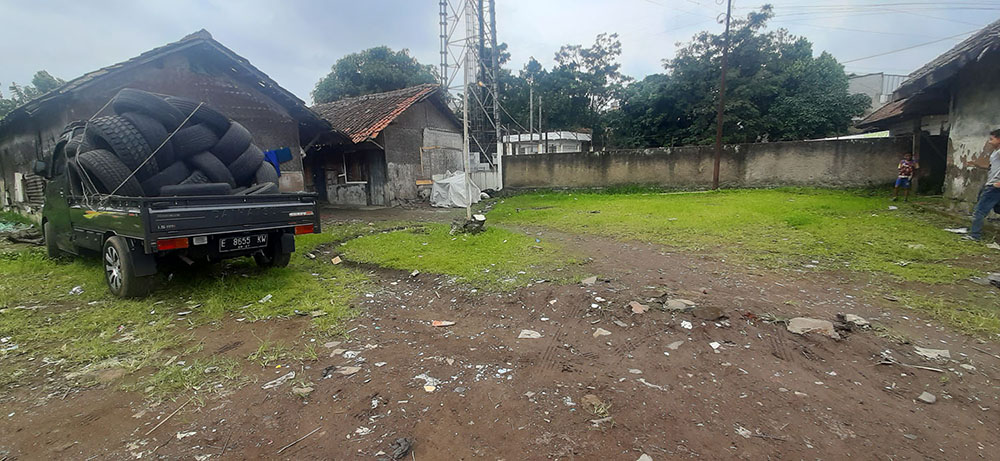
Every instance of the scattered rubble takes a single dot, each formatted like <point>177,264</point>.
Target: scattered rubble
<point>804,325</point>
<point>589,280</point>
<point>638,308</point>
<point>927,398</point>
<point>933,354</point>
<point>601,332</point>
<point>302,392</point>
<point>279,381</point>
<point>529,334</point>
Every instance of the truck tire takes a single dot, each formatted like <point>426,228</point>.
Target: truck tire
<point>266,173</point>
<point>119,270</point>
<point>218,122</point>
<point>245,166</point>
<point>171,175</point>
<point>77,145</point>
<point>108,173</point>
<point>192,140</point>
<point>132,100</point>
<point>196,177</point>
<point>51,249</point>
<point>236,140</point>
<point>209,164</point>
<point>272,257</point>
<point>264,188</point>
<point>116,134</point>
<point>189,190</point>
<point>155,135</point>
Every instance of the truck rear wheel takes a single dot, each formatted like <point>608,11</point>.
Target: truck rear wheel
<point>272,257</point>
<point>119,270</point>
<point>51,249</point>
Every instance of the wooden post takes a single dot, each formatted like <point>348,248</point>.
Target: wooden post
<point>915,150</point>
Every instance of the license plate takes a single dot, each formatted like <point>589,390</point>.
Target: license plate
<point>244,242</point>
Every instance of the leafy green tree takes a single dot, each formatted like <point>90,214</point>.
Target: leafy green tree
<point>374,70</point>
<point>776,90</point>
<point>41,83</point>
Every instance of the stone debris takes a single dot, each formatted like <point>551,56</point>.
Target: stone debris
<point>337,352</point>
<point>686,325</point>
<point>638,308</point>
<point>591,400</point>
<point>589,280</point>
<point>678,305</point>
<point>675,345</point>
<point>645,457</point>
<point>529,334</point>
<point>348,371</point>
<point>927,398</point>
<point>336,260</point>
<point>932,354</point>
<point>804,325</point>
<point>279,381</point>
<point>635,371</point>
<point>742,431</point>
<point>302,392</point>
<point>601,332</point>
<point>619,323</point>
<point>856,320</point>
<point>968,367</point>
<point>709,313</point>
<point>77,290</point>
<point>183,435</point>
<point>331,344</point>
<point>442,323</point>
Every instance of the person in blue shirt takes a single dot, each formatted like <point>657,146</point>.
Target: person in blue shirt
<point>989,197</point>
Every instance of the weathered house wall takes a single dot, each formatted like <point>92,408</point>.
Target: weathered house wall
<point>404,142</point>
<point>191,74</point>
<point>838,163</point>
<point>975,111</point>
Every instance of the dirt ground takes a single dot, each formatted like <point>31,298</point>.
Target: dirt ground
<point>731,387</point>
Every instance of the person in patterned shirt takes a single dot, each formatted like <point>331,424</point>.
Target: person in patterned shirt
<point>906,167</point>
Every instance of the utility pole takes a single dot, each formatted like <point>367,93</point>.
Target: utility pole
<point>722,100</point>
<point>531,110</point>
<point>467,86</point>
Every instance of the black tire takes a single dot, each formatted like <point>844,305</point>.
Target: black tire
<point>266,173</point>
<point>205,114</point>
<point>189,190</point>
<point>119,270</point>
<point>108,173</point>
<point>51,249</point>
<point>192,140</point>
<point>244,168</point>
<point>236,140</point>
<point>272,257</point>
<point>132,100</point>
<point>264,188</point>
<point>209,164</point>
<point>155,134</point>
<point>196,177</point>
<point>116,134</point>
<point>78,144</point>
<point>170,175</point>
<point>247,190</point>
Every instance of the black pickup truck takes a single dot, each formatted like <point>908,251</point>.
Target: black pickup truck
<point>133,233</point>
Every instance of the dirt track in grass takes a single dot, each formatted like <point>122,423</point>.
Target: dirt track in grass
<point>764,392</point>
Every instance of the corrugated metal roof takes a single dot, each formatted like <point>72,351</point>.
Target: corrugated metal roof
<point>884,113</point>
<point>364,117</point>
<point>947,65</point>
<point>202,38</point>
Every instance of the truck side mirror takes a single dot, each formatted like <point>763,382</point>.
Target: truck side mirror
<point>39,167</point>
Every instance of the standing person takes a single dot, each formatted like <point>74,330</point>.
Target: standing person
<point>989,197</point>
<point>906,167</point>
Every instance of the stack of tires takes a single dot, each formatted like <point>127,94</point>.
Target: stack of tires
<point>158,146</point>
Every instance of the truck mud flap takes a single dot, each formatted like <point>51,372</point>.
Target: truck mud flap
<point>143,264</point>
<point>287,243</point>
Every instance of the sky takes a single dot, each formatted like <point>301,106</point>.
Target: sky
<point>296,41</point>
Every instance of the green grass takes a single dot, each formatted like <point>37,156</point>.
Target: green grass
<point>976,314</point>
<point>494,259</point>
<point>773,228</point>
<point>47,324</point>
<point>199,377</point>
<point>15,218</point>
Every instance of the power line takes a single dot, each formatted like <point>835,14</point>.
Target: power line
<point>909,47</point>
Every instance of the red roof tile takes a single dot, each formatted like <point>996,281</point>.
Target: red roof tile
<point>364,117</point>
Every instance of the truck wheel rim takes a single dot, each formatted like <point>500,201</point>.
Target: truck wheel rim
<point>113,268</point>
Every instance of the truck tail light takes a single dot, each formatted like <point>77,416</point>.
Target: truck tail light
<point>172,244</point>
<point>304,229</point>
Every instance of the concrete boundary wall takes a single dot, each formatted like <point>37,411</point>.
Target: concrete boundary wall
<point>835,163</point>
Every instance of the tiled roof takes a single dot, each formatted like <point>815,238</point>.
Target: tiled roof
<point>241,68</point>
<point>364,117</point>
<point>947,65</point>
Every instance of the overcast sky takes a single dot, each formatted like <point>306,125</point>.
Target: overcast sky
<point>296,41</point>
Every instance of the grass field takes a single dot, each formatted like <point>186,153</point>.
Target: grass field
<point>495,259</point>
<point>822,229</point>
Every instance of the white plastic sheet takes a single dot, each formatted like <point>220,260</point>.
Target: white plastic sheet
<point>449,191</point>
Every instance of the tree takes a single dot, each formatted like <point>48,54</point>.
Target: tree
<point>579,93</point>
<point>374,70</point>
<point>776,90</point>
<point>41,83</point>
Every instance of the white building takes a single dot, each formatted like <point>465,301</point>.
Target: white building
<point>550,142</point>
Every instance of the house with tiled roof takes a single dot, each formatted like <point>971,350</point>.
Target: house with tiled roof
<point>949,106</point>
<point>392,144</point>
<point>195,67</point>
